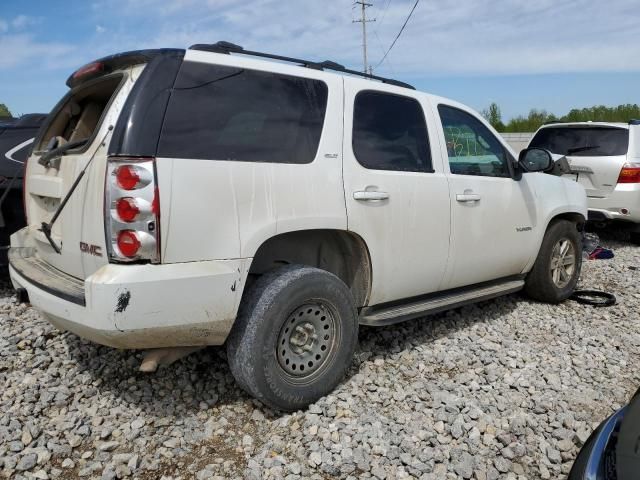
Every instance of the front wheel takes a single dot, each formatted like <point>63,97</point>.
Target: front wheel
<point>555,273</point>
<point>294,337</point>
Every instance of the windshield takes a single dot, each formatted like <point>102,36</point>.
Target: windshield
<point>583,141</point>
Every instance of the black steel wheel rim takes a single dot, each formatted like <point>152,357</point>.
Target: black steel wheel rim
<point>307,341</point>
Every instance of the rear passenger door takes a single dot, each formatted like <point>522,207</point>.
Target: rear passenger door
<point>396,192</point>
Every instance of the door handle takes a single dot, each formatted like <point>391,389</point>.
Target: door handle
<point>468,197</point>
<point>370,195</point>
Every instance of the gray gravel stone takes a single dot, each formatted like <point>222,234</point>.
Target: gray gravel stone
<point>27,462</point>
<point>506,388</point>
<point>108,446</point>
<point>464,465</point>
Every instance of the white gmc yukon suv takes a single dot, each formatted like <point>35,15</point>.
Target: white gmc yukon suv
<point>213,196</point>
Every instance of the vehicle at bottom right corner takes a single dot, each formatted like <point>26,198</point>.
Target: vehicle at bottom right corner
<point>611,452</point>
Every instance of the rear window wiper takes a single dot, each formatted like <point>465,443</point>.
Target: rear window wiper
<point>44,160</point>
<point>581,149</point>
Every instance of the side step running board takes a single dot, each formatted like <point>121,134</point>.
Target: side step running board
<point>379,316</point>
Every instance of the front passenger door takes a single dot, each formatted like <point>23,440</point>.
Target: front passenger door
<point>493,217</point>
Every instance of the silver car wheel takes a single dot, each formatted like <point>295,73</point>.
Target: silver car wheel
<point>563,263</point>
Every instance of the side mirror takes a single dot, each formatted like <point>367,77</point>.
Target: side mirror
<point>535,160</point>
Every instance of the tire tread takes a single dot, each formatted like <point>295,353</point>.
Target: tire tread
<point>538,284</point>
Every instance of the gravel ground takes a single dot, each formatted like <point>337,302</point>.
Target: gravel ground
<point>503,389</point>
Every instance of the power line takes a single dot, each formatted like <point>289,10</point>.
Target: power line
<point>399,33</point>
<point>393,70</point>
<point>384,14</point>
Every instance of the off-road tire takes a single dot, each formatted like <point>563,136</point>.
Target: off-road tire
<point>539,283</point>
<point>284,298</point>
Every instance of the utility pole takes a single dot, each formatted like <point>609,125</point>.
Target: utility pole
<point>366,68</point>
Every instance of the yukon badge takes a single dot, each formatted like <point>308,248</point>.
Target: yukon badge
<point>91,249</point>
<point>523,229</point>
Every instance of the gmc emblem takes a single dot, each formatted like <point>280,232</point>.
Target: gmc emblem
<point>91,249</point>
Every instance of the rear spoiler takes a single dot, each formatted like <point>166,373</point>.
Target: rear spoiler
<point>108,64</point>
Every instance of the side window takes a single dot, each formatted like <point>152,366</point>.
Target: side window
<point>390,133</point>
<point>229,113</point>
<point>472,148</point>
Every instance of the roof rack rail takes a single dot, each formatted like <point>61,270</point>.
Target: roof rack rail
<point>551,122</point>
<point>227,48</point>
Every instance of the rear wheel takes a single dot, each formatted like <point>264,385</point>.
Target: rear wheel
<point>294,336</point>
<point>555,273</point>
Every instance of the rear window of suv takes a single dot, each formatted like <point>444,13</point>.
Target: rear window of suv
<point>583,141</point>
<point>231,113</point>
<point>79,114</point>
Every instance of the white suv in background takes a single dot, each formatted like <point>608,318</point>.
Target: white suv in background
<point>213,196</point>
<point>605,159</point>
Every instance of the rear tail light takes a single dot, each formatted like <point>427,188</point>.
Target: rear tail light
<point>132,177</point>
<point>127,209</point>
<point>630,173</point>
<point>132,210</point>
<point>135,244</point>
<point>128,243</point>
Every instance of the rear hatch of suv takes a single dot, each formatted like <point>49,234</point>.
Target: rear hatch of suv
<point>86,119</point>
<point>596,152</point>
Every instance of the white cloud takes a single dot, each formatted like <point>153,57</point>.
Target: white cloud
<point>21,49</point>
<point>444,37</point>
<point>23,21</point>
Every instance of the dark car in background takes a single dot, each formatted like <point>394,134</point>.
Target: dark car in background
<point>612,452</point>
<point>16,138</point>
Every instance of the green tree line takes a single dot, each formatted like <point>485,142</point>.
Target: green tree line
<point>4,110</point>
<point>533,121</point>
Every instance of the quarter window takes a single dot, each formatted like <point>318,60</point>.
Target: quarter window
<point>390,133</point>
<point>231,113</point>
<point>471,147</point>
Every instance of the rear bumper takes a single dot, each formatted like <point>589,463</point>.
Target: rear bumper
<point>622,204</point>
<point>136,306</point>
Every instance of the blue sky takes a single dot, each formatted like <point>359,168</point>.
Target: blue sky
<point>522,54</point>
